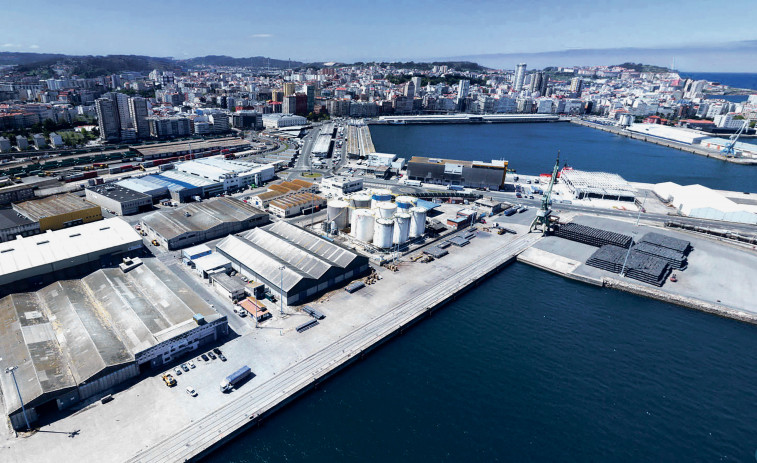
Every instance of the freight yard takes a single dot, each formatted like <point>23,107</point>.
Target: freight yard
<point>305,277</point>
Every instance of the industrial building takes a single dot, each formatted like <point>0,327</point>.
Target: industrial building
<point>474,174</point>
<point>294,263</point>
<point>196,147</point>
<point>120,200</point>
<point>34,257</point>
<point>179,186</point>
<point>16,193</point>
<point>232,174</point>
<point>277,121</point>
<point>13,224</point>
<point>339,185</point>
<point>59,211</point>
<point>598,185</point>
<point>280,190</point>
<point>705,203</point>
<point>322,146</point>
<point>140,185</point>
<point>676,134</point>
<point>75,339</point>
<point>200,222</point>
<point>295,204</point>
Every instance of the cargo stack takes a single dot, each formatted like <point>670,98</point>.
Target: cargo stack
<point>593,236</point>
<point>676,259</point>
<point>646,268</point>
<point>681,246</point>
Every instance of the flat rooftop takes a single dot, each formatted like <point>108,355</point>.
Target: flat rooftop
<point>52,206</point>
<point>194,146</point>
<point>118,192</point>
<point>10,218</point>
<point>55,246</point>
<point>200,216</point>
<point>493,164</point>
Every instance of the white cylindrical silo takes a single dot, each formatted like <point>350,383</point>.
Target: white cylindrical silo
<point>337,212</point>
<point>406,202</point>
<point>417,221</point>
<point>387,210</point>
<point>359,201</point>
<point>362,225</point>
<point>401,228</point>
<point>379,195</point>
<point>382,233</point>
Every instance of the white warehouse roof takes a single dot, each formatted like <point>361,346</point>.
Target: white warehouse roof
<point>700,201</point>
<point>54,248</point>
<point>675,134</point>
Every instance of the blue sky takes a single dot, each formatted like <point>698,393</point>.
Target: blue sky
<point>501,32</point>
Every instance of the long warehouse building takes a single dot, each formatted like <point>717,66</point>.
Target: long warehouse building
<point>474,174</point>
<point>75,339</point>
<point>199,222</point>
<point>294,263</point>
<point>32,258</point>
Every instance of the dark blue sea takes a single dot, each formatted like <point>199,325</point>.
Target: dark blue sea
<point>732,79</point>
<point>533,367</point>
<point>532,148</point>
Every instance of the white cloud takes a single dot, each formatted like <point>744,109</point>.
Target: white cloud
<point>34,46</point>
<point>261,36</point>
<point>8,45</point>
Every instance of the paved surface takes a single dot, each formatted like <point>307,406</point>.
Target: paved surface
<point>146,415</point>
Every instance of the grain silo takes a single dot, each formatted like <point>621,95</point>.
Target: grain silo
<point>383,232</point>
<point>417,221</point>
<point>401,228</point>
<point>337,212</point>
<point>406,202</point>
<point>362,224</point>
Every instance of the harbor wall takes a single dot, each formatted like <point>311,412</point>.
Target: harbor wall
<point>667,143</point>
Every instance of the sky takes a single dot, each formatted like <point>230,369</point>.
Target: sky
<point>699,35</point>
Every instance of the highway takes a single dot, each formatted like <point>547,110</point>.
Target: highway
<point>218,425</point>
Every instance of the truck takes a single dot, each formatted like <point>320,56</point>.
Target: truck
<point>230,382</point>
<point>455,187</point>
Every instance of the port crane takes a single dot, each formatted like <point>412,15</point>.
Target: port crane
<point>728,150</point>
<point>543,214</point>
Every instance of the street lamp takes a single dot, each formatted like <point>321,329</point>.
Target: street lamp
<point>281,290</point>
<point>12,370</point>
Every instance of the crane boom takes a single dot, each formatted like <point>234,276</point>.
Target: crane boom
<point>728,150</point>
<point>542,216</point>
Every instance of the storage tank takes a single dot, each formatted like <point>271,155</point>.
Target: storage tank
<point>336,211</point>
<point>417,221</point>
<point>362,224</point>
<point>406,202</point>
<point>359,201</point>
<point>387,210</point>
<point>401,228</point>
<point>380,195</point>
<point>383,233</point>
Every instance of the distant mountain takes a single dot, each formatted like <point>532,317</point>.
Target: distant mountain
<point>254,62</point>
<point>93,66</point>
<point>12,57</point>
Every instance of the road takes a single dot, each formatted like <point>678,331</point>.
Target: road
<point>223,422</point>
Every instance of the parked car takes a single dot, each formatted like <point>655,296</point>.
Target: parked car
<point>191,391</point>
<point>204,357</point>
<point>169,380</point>
<point>217,351</point>
<point>191,364</point>
<point>212,355</point>
<point>178,371</point>
<point>222,357</point>
<point>184,367</point>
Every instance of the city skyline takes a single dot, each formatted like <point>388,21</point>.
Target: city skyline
<point>492,33</point>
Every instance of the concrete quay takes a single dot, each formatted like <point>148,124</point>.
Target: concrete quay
<point>201,437</point>
<point>670,144</point>
<point>717,279</point>
<point>155,423</point>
